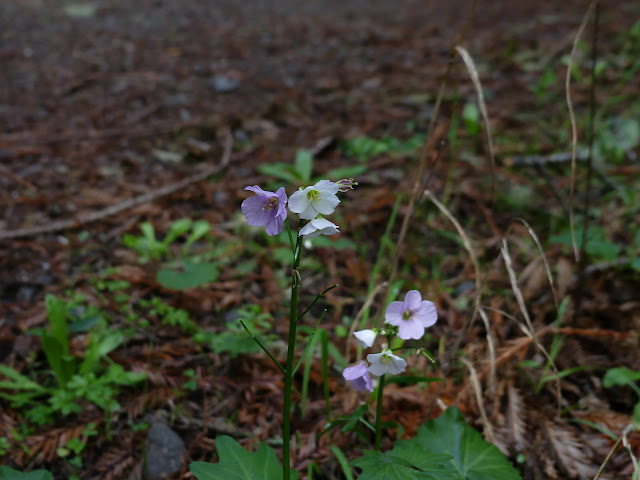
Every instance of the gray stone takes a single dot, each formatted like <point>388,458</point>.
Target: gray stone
<point>165,451</point>
<point>223,83</point>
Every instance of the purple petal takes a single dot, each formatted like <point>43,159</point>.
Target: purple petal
<point>363,383</point>
<point>282,199</point>
<point>426,313</point>
<point>259,191</point>
<point>275,226</point>
<point>253,211</point>
<point>410,329</point>
<point>412,300</point>
<point>355,371</point>
<point>393,315</point>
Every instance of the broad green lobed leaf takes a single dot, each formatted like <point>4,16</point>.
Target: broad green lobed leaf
<point>236,463</point>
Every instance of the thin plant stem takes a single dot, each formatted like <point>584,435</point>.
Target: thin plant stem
<point>264,349</point>
<point>318,297</point>
<point>288,376</point>
<point>379,413</point>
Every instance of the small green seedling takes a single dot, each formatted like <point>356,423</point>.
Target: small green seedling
<point>151,248</point>
<point>77,378</point>
<point>302,170</point>
<point>621,376</point>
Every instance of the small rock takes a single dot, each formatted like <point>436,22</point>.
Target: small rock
<point>223,83</point>
<point>165,451</point>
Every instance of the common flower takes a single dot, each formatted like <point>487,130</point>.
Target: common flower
<point>358,376</point>
<point>318,226</point>
<point>266,210</point>
<point>365,338</point>
<point>412,315</point>
<point>385,362</point>
<point>319,199</point>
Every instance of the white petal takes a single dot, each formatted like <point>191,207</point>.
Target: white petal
<point>326,205</point>
<point>397,365</point>
<point>365,338</point>
<point>309,231</point>
<point>326,187</point>
<point>298,202</point>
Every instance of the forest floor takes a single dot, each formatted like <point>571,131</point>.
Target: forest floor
<point>108,102</point>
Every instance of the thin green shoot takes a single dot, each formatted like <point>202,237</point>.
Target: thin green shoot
<point>385,242</point>
<point>342,460</point>
<point>318,297</point>
<point>310,348</point>
<point>556,343</point>
<point>264,349</point>
<point>324,339</point>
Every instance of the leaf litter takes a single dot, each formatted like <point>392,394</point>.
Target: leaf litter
<point>95,98</point>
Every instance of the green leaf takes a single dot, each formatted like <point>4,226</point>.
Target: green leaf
<point>19,381</point>
<point>7,473</point>
<point>387,466</point>
<point>619,376</point>
<point>176,229</point>
<point>100,344</point>
<point>304,164</point>
<point>280,171</point>
<point>347,172</point>
<point>57,314</point>
<point>236,463</point>
<point>200,229</point>
<point>187,275</point>
<point>63,365</point>
<point>473,458</point>
<point>350,422</point>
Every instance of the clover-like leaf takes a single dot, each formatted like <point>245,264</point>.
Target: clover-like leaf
<point>236,463</point>
<point>185,274</point>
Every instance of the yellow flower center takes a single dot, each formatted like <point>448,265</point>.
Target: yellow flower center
<point>271,204</point>
<point>407,314</point>
<point>313,196</point>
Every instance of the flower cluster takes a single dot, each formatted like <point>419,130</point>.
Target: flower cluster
<point>311,203</point>
<point>408,320</point>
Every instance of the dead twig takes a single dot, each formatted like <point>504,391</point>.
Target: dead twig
<point>126,204</point>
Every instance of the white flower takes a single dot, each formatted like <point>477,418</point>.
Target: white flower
<point>319,199</point>
<point>365,338</point>
<point>385,362</point>
<point>318,226</point>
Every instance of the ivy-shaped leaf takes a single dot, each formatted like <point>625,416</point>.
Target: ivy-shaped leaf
<point>473,458</point>
<point>236,463</point>
<point>387,466</point>
<point>7,473</point>
<point>444,449</point>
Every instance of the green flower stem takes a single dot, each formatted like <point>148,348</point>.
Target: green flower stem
<point>288,376</point>
<point>379,413</point>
